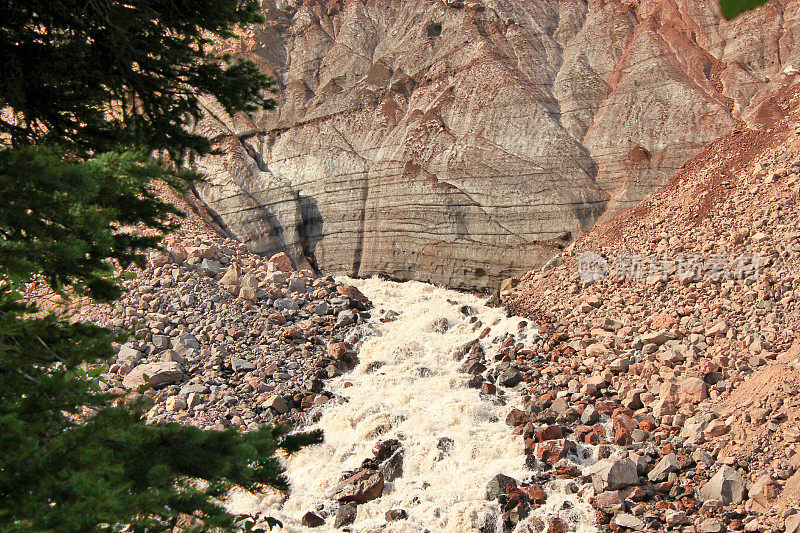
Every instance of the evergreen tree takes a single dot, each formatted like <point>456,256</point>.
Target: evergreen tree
<point>90,92</point>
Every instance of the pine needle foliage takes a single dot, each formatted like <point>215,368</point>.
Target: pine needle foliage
<point>98,101</point>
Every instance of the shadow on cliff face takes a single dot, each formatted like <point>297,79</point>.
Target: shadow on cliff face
<point>310,228</point>
<point>588,213</point>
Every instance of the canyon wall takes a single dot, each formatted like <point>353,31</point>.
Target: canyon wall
<point>465,142</point>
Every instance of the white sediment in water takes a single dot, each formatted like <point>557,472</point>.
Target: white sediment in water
<point>408,385</point>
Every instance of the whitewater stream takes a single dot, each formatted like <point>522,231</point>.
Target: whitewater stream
<point>409,386</point>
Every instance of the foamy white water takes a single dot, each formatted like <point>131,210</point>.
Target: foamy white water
<point>408,386</point>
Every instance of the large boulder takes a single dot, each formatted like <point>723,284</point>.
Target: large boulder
<point>497,486</point>
<point>153,375</point>
<point>361,487</point>
<point>727,485</point>
<point>764,491</point>
<point>613,474</point>
<point>661,471</point>
<point>129,355</point>
<point>692,390</point>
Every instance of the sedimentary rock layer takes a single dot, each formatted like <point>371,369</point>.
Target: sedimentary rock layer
<point>464,142</point>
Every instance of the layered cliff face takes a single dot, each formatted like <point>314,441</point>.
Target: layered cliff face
<point>464,142</point>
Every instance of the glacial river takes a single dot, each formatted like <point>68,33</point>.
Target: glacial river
<point>409,386</point>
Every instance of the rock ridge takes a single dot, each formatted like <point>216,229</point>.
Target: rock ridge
<point>463,143</point>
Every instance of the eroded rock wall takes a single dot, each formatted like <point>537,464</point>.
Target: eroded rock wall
<point>464,142</point>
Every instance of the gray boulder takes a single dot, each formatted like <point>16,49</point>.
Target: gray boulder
<point>286,304</point>
<point>346,514</point>
<point>210,268</point>
<point>153,375</point>
<point>497,486</point>
<point>727,485</point>
<point>663,468</point>
<point>509,377</point>
<point>129,355</point>
<point>241,365</point>
<point>613,474</point>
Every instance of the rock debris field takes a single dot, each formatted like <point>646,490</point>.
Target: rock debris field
<point>688,378</point>
<point>223,337</point>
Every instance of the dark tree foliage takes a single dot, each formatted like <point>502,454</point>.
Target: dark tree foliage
<point>63,471</point>
<point>104,74</point>
<point>734,8</point>
<point>56,212</point>
<point>91,92</point>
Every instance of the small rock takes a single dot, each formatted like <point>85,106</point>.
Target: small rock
<point>590,416</point>
<point>715,428</point>
<point>711,525</point>
<point>517,417</point>
<point>661,471</point>
<point>557,525</point>
<point>659,337</point>
<point>552,451</point>
<point>549,433</point>
<point>193,400</point>
<point>175,404</point>
<point>248,293</point>
<point>509,377</point>
<point>210,267</point>
<point>393,515</point>
<point>337,350</point>
<point>231,277</point>
<point>702,456</point>
<point>173,356</point>
<point>352,293</point>
<point>280,262</point>
<point>128,354</point>
<point>675,518</point>
<point>346,318</point>
<point>610,502</point>
<point>196,388</point>
<point>692,390</point>
<point>284,304</point>
<point>534,493</point>
<point>764,491</point>
<point>629,521</point>
<point>792,523</point>
<point>297,285</point>
<point>312,520</point>
<point>392,468</point>
<point>345,515</point>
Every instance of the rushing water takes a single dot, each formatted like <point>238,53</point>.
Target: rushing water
<point>408,385</point>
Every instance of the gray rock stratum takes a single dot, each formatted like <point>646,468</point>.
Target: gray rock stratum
<point>465,142</point>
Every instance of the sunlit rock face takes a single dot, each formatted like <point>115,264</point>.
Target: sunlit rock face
<point>465,142</point>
